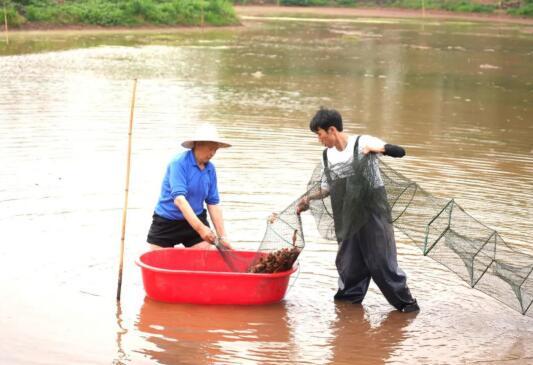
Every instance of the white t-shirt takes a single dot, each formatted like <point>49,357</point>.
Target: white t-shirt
<point>337,158</point>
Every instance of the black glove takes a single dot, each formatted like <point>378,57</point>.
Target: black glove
<point>394,150</point>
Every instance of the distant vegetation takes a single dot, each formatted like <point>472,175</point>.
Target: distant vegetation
<point>466,6</point>
<point>119,12</point>
<point>525,10</point>
<point>210,12</point>
<point>514,7</point>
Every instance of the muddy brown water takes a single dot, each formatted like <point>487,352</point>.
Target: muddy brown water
<point>457,95</point>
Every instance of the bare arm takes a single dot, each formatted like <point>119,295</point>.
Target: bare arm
<point>215,212</point>
<point>203,230</point>
<point>303,204</point>
<point>376,145</point>
<point>319,194</point>
<point>373,145</point>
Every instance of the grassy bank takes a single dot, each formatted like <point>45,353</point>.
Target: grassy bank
<point>119,12</point>
<point>513,7</point>
<point>522,8</point>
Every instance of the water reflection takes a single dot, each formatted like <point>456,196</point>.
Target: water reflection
<point>191,334</point>
<point>121,356</point>
<point>360,338</point>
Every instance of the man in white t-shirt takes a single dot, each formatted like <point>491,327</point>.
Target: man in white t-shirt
<point>370,252</point>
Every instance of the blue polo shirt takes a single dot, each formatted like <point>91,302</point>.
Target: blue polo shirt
<point>184,177</point>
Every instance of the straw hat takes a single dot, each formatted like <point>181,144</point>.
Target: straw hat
<point>205,133</point>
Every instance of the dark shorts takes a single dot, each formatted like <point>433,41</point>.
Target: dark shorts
<point>167,232</point>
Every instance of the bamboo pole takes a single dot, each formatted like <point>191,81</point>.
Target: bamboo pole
<point>125,209</point>
<point>5,23</point>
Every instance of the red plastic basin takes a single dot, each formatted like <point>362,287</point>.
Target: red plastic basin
<point>178,275</point>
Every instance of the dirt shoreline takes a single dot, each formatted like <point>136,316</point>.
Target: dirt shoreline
<point>252,10</point>
<point>270,11</point>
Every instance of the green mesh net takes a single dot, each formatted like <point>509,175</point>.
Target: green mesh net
<point>282,243</point>
<point>444,231</point>
<point>279,249</point>
<point>341,197</point>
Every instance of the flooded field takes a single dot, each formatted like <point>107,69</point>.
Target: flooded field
<point>456,95</point>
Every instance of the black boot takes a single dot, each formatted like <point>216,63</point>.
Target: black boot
<point>411,307</point>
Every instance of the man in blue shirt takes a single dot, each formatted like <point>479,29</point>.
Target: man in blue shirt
<point>190,180</point>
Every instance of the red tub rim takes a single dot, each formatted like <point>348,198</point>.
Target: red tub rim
<point>141,264</point>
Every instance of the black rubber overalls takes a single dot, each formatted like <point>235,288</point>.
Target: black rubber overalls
<point>368,253</point>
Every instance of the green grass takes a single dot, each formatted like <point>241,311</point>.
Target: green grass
<point>13,17</point>
<point>467,7</point>
<point>449,5</point>
<point>123,12</point>
<point>298,2</point>
<point>526,10</point>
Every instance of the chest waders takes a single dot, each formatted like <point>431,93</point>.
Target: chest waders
<point>337,192</point>
<point>367,248</point>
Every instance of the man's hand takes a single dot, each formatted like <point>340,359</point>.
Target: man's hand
<point>207,234</point>
<point>302,205</point>
<point>224,242</point>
